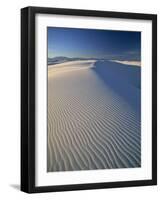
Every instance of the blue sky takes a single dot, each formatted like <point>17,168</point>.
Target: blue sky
<point>72,42</point>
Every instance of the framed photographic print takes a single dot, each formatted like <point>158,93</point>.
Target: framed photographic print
<point>88,99</point>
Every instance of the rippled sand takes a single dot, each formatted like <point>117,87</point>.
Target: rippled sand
<point>90,125</point>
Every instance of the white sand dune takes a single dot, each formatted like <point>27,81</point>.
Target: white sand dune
<point>125,62</point>
<point>90,126</point>
<point>69,66</point>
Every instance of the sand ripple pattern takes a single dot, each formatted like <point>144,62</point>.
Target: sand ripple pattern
<point>89,125</point>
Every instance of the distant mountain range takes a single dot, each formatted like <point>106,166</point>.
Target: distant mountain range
<point>61,59</point>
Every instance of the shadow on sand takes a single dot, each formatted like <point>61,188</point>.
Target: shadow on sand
<point>125,80</point>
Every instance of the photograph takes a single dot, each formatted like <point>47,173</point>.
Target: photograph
<point>89,99</point>
<point>93,99</point>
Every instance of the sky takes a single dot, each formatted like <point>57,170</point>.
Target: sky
<point>92,43</point>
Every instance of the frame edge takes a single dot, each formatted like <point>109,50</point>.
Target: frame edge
<point>27,101</point>
<point>24,100</point>
<point>154,99</point>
